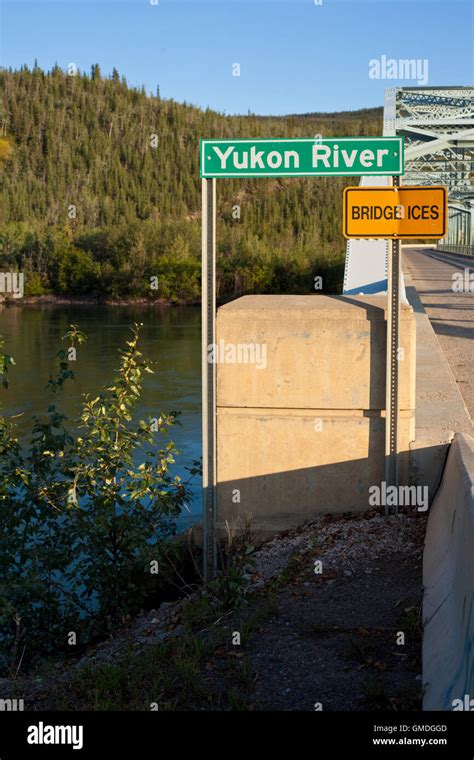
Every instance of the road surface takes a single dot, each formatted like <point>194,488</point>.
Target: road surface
<point>437,277</point>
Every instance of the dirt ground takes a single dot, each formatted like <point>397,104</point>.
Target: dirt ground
<point>331,620</point>
<point>332,642</point>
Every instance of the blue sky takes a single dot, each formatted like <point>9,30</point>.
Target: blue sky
<point>295,56</point>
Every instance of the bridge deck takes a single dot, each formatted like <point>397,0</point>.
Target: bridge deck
<point>451,313</point>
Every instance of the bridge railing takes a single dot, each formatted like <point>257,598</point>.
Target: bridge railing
<point>465,250</point>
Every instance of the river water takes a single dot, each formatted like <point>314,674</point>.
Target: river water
<point>170,336</point>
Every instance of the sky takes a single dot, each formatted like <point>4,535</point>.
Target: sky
<point>291,56</point>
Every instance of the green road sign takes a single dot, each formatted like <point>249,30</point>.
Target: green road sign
<point>346,156</point>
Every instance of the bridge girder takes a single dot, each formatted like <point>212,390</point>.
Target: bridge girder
<point>438,126</point>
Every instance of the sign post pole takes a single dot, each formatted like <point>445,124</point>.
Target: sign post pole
<point>364,217</point>
<point>392,375</point>
<point>394,213</point>
<point>208,336</point>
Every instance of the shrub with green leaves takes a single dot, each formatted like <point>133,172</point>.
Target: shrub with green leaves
<point>85,508</point>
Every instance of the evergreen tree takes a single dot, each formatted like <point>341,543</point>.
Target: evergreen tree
<point>86,161</point>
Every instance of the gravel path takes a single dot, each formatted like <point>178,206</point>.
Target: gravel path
<point>333,642</point>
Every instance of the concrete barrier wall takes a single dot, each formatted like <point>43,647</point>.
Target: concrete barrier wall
<point>448,577</point>
<point>301,429</point>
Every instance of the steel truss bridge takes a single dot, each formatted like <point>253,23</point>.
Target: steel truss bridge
<point>438,126</point>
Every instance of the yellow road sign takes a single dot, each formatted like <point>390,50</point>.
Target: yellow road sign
<point>395,212</point>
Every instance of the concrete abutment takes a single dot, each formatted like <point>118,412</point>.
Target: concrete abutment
<point>300,410</point>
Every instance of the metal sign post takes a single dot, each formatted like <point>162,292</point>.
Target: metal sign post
<point>394,213</point>
<point>296,157</point>
<point>393,339</point>
<point>208,336</point>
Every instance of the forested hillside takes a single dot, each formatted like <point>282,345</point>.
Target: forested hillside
<point>100,191</point>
